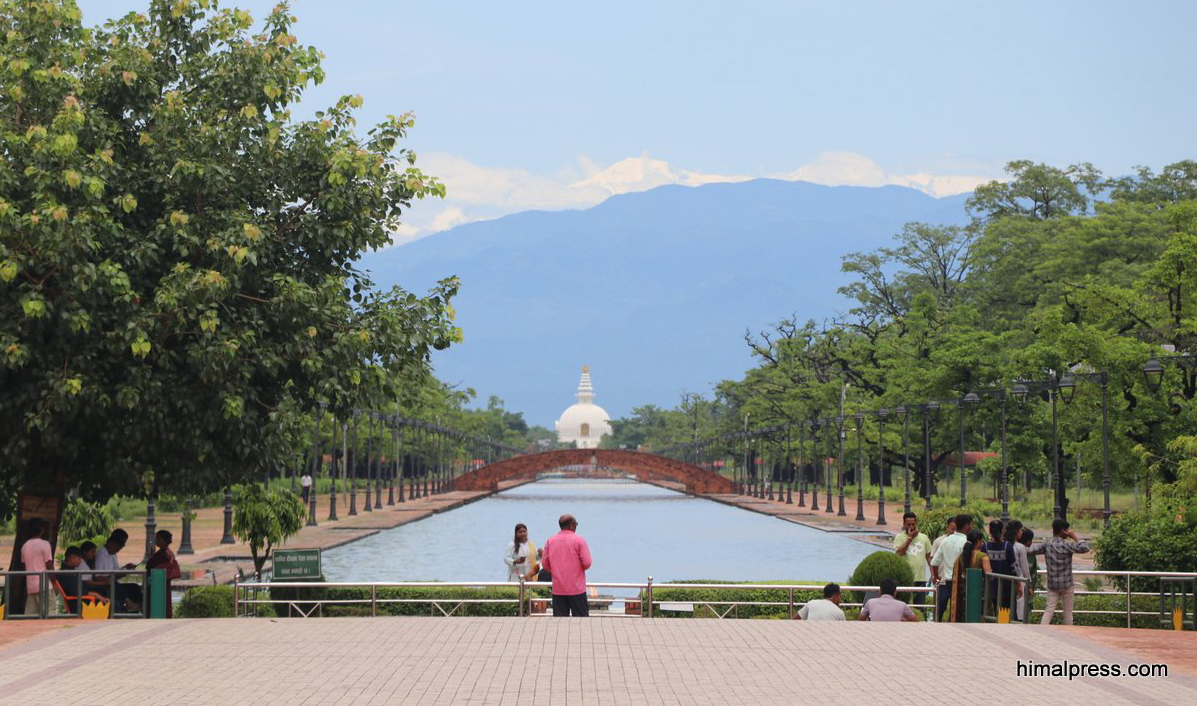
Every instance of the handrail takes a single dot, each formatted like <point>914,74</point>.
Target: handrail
<point>47,574</point>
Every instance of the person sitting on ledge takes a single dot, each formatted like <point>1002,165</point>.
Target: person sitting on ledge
<point>886,608</point>
<point>825,608</point>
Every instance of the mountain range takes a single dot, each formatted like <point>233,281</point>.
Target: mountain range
<point>653,290</point>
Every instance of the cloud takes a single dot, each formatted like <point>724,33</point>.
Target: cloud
<point>477,192</point>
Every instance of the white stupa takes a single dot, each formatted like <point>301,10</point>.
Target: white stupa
<point>585,422</point>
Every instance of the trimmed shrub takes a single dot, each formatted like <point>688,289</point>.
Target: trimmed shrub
<point>1162,540</point>
<point>206,602</point>
<point>674,593</point>
<point>422,597</point>
<point>881,565</point>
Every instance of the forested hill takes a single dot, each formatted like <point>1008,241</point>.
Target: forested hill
<point>653,290</point>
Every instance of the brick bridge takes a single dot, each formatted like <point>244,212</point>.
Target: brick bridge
<point>645,466</point>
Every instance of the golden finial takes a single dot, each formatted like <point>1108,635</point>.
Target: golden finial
<point>585,368</point>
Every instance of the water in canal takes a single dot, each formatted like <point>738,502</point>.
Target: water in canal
<point>634,530</point>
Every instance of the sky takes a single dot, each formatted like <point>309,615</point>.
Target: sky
<point>554,105</point>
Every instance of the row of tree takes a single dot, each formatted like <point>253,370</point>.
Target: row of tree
<point>1059,270</point>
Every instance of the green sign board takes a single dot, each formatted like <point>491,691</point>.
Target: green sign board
<point>297,564</point>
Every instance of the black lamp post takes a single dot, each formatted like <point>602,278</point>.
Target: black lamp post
<point>1020,390</point>
<point>881,415</point>
<point>839,420</point>
<point>927,408</point>
<point>185,544</point>
<point>351,468</point>
<point>396,465</point>
<point>901,411</point>
<point>368,506</point>
<point>788,468</point>
<point>227,538</point>
<point>966,401</point>
<point>800,463</point>
<point>1000,394</point>
<point>1068,391</point>
<point>828,473</point>
<point>859,469</point>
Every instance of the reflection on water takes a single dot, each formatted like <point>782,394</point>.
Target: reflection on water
<point>634,530</point>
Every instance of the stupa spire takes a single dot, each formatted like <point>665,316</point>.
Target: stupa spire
<point>585,388</point>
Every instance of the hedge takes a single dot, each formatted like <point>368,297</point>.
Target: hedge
<point>206,602</point>
<point>1162,540</point>
<point>670,593</point>
<point>445,595</point>
<point>880,565</point>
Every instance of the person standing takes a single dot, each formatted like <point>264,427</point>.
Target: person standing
<point>943,563</point>
<point>1057,552</point>
<point>1003,558</point>
<point>164,559</point>
<point>520,556</point>
<point>305,486</point>
<point>886,608</point>
<point>567,557</point>
<point>915,547</point>
<point>1030,572</point>
<point>37,555</point>
<point>825,608</point>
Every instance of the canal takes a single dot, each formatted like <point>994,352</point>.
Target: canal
<point>634,530</point>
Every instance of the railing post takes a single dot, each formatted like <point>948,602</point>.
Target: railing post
<point>236,604</point>
<point>791,614</point>
<point>373,601</point>
<point>520,610</point>
<point>1128,601</point>
<point>649,593</point>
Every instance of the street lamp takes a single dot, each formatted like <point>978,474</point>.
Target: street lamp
<point>859,469</point>
<point>1021,390</point>
<point>839,422</point>
<point>881,415</point>
<point>1068,392</point>
<point>901,411</point>
<point>928,408</point>
<point>1000,394</point>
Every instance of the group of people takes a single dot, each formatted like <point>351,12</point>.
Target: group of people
<point>1007,552</point>
<point>74,585</point>
<point>563,561</point>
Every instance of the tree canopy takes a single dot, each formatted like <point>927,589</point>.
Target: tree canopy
<point>178,250</point>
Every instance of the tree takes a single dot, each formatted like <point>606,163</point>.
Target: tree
<point>1036,191</point>
<point>263,519</point>
<point>178,252</point>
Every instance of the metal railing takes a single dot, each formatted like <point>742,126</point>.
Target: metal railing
<point>247,595</point>
<point>49,594</point>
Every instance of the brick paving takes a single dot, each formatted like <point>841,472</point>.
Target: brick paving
<point>569,661</point>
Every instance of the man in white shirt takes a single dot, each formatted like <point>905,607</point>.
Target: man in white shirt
<point>825,608</point>
<point>305,486</point>
<point>943,563</point>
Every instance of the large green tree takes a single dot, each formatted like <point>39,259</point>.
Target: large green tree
<point>178,250</point>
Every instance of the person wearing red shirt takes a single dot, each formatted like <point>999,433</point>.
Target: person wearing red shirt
<point>567,557</point>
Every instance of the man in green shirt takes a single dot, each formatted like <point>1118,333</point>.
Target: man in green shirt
<point>915,547</point>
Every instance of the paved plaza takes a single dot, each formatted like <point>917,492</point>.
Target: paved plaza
<point>534,661</point>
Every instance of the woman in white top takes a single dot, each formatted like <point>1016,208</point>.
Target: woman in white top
<point>520,556</point>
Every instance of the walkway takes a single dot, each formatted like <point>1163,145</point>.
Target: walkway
<point>213,559</point>
<point>535,661</point>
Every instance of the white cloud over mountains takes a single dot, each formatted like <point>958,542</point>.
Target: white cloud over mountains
<point>476,192</point>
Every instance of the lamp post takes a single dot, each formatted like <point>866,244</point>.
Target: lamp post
<point>744,466</point>
<point>840,463</point>
<point>1004,492</point>
<point>859,469</point>
<point>881,415</point>
<point>788,469</point>
<point>332,495</point>
<point>369,506</point>
<point>1019,391</point>
<point>227,538</point>
<point>826,466</point>
<point>927,408</point>
<point>351,469</point>
<point>1068,391</point>
<point>396,468</point>
<point>966,401</point>
<point>901,411</point>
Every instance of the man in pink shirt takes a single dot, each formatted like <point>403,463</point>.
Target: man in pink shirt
<point>567,557</point>
<point>37,555</point>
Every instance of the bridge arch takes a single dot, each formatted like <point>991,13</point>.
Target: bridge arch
<point>645,466</point>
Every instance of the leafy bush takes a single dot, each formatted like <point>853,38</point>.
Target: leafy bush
<point>1162,540</point>
<point>206,602</point>
<point>881,565</point>
<point>82,520</point>
<point>676,594</point>
<point>444,595</point>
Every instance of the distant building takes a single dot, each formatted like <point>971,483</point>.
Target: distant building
<point>584,423</point>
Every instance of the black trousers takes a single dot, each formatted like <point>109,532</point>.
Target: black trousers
<point>943,594</point>
<point>565,606</point>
